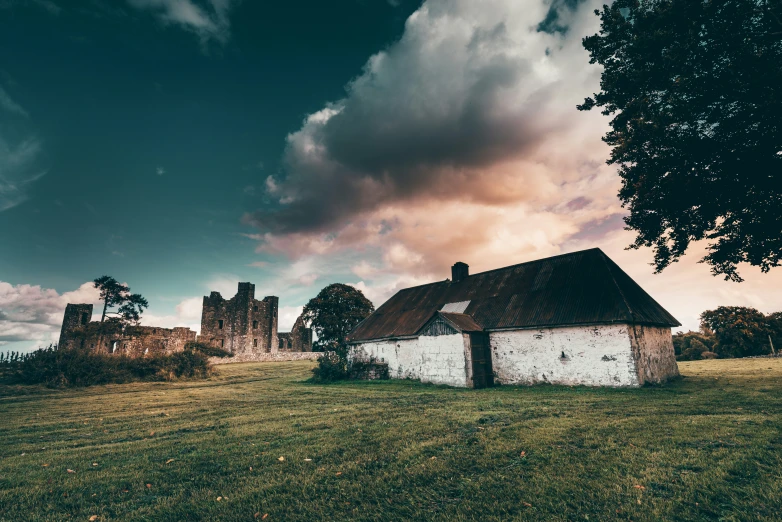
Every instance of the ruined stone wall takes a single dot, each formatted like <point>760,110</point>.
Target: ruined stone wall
<point>653,350</point>
<point>133,341</point>
<point>152,340</point>
<point>299,339</point>
<point>242,324</point>
<point>593,356</point>
<point>436,359</point>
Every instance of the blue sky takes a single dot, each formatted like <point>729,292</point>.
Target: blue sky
<point>182,146</point>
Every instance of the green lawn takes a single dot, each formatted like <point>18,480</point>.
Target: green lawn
<point>708,447</point>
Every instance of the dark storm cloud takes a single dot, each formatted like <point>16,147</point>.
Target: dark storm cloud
<point>467,87</point>
<point>557,13</point>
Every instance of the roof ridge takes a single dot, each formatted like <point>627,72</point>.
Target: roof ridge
<point>537,260</point>
<point>506,267</point>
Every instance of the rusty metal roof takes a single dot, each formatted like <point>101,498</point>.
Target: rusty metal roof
<point>583,287</point>
<point>462,322</point>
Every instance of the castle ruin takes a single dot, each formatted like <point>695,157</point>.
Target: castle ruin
<point>241,325</point>
<point>245,325</point>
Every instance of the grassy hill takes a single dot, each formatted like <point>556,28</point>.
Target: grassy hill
<point>708,447</point>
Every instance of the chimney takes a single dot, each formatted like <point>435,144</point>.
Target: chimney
<point>459,271</point>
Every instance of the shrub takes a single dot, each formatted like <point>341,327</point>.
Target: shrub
<point>190,364</point>
<point>55,367</point>
<point>207,349</point>
<point>690,345</point>
<point>336,366</point>
<point>332,366</point>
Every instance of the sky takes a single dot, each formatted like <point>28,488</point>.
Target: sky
<point>182,146</point>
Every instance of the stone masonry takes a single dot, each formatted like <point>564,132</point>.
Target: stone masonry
<point>299,339</point>
<point>241,325</point>
<point>245,325</point>
<point>135,341</point>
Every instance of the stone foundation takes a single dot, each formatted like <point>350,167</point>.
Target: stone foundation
<point>369,371</point>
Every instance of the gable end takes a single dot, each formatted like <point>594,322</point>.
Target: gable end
<point>437,326</point>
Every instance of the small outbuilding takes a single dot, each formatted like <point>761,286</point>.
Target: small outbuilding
<point>574,319</point>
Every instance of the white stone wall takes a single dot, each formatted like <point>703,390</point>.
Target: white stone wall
<point>594,356</point>
<point>604,355</point>
<point>653,349</point>
<point>439,360</point>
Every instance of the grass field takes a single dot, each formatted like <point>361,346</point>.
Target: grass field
<point>708,447</point>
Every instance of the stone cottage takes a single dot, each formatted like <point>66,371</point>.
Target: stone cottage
<point>574,319</point>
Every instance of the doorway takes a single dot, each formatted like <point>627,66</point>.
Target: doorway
<point>482,373</point>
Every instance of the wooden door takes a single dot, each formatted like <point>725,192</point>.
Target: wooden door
<point>482,373</point>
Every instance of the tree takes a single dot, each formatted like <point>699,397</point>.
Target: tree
<point>695,90</point>
<point>775,325</point>
<point>334,313</point>
<point>690,345</point>
<point>739,331</point>
<point>114,293</point>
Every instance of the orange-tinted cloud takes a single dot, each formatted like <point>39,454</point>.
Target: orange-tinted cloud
<point>461,142</point>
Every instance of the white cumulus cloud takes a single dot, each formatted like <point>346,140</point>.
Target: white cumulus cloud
<point>33,313</point>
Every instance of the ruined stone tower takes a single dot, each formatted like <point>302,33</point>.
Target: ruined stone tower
<point>243,324</point>
<point>76,315</point>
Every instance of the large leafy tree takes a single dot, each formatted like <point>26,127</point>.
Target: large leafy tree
<point>739,331</point>
<point>334,313</point>
<point>695,91</point>
<point>115,294</point>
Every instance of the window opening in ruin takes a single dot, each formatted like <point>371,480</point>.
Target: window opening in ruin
<point>219,324</point>
<point>85,318</point>
<point>255,324</point>
<point>255,308</point>
<point>255,343</point>
<point>113,346</point>
<point>146,351</point>
<point>563,356</point>
<point>222,343</point>
<point>281,341</point>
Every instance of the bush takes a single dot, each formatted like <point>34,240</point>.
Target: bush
<point>189,364</point>
<point>207,349</point>
<point>690,345</point>
<point>332,366</point>
<point>336,366</point>
<point>55,367</point>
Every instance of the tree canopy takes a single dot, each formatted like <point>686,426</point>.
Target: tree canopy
<point>116,294</point>
<point>695,91</point>
<point>689,346</point>
<point>741,331</point>
<point>334,313</point>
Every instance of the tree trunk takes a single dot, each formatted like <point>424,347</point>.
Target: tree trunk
<point>105,305</point>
